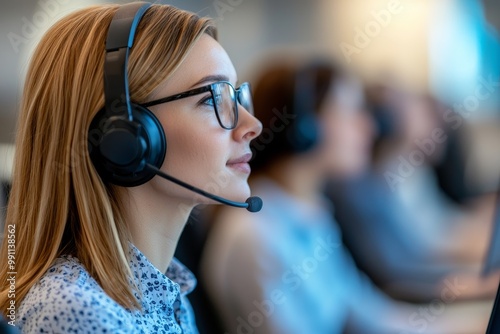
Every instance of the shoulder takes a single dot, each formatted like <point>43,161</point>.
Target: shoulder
<point>235,229</point>
<point>237,243</point>
<point>67,299</point>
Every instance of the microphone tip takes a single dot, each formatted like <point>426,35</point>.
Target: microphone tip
<point>254,204</point>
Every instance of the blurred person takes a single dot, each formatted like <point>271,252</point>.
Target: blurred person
<point>414,236</point>
<point>94,229</point>
<point>285,269</point>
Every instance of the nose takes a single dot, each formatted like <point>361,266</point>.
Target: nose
<point>248,126</point>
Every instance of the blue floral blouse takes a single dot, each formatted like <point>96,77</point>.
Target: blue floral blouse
<point>68,300</point>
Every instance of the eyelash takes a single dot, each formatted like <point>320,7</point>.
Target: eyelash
<point>204,101</point>
<point>208,98</point>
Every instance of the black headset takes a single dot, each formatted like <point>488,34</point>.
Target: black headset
<point>303,132</point>
<point>124,137</point>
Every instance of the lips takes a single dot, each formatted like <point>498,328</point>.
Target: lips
<point>241,164</point>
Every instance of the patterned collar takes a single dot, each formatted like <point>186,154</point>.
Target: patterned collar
<point>67,290</point>
<point>159,289</point>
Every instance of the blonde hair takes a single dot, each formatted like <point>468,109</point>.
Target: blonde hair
<point>58,203</point>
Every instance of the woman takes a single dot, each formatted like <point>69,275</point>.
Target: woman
<point>93,255</point>
<point>285,269</point>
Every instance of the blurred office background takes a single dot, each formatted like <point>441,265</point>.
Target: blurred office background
<point>449,49</point>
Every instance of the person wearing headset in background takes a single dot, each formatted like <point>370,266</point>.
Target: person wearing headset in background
<point>285,270</point>
<point>415,237</point>
<point>95,231</point>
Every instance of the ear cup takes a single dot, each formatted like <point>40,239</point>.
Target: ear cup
<point>302,135</point>
<point>120,148</point>
<point>303,132</point>
<point>385,120</point>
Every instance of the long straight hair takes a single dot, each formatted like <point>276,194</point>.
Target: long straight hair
<point>58,203</point>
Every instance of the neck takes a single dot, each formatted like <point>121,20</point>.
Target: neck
<point>156,224</point>
<point>299,178</point>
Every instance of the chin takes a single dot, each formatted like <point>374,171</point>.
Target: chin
<point>354,169</point>
<point>233,189</point>
<point>240,191</point>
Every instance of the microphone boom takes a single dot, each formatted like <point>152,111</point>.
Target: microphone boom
<point>252,204</point>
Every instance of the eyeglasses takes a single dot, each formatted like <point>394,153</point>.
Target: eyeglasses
<point>224,99</point>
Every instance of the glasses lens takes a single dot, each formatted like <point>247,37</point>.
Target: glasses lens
<point>224,104</point>
<point>226,108</point>
<point>245,97</point>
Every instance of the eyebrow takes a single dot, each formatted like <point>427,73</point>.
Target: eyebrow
<point>211,78</point>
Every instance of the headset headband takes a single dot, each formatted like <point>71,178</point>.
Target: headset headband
<point>124,137</point>
<point>120,39</point>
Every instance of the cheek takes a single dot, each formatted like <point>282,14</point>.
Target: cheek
<point>336,134</point>
<point>346,142</point>
<point>350,131</point>
<point>419,122</point>
<point>192,148</point>
<point>197,153</point>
